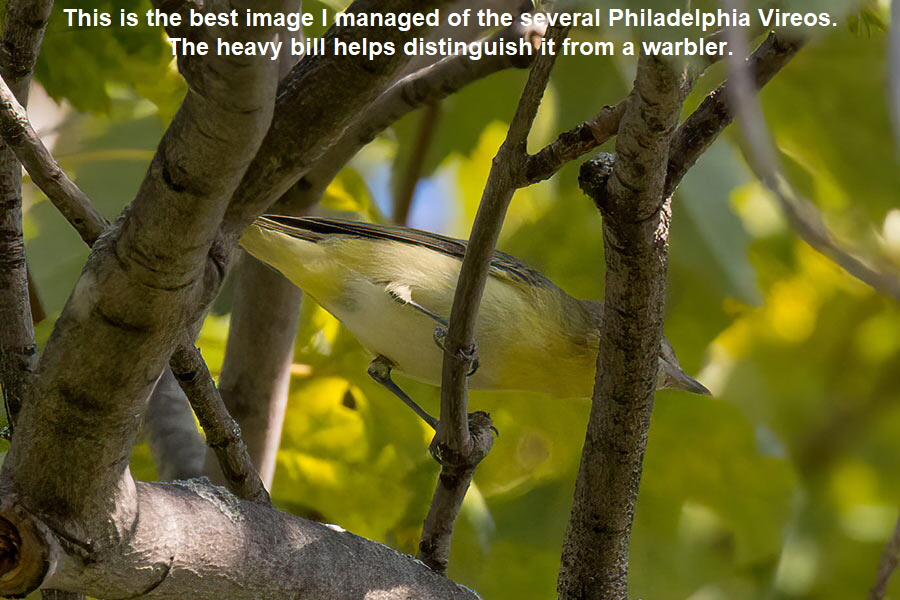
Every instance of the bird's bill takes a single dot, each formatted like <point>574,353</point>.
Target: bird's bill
<point>684,382</point>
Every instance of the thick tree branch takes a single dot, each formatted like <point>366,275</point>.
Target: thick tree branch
<point>257,368</point>
<point>635,232</point>
<point>320,96</point>
<point>185,453</point>
<point>167,554</point>
<point>23,31</point>
<point>463,440</point>
<point>143,282</point>
<point>215,417</point>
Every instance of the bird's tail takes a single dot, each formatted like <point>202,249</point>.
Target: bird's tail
<point>285,244</point>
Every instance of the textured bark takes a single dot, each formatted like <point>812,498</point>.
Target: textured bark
<point>715,113</point>
<point>144,280</point>
<point>223,435</point>
<point>463,440</point>
<point>259,553</point>
<point>149,277</point>
<point>635,233</point>
<point>23,30</point>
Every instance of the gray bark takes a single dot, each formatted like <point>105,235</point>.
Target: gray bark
<point>635,233</point>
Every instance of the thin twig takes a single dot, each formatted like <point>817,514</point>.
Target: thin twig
<point>426,86</point>
<point>572,144</point>
<point>463,440</point>
<point>45,172</point>
<point>715,113</point>
<point>890,560</point>
<point>802,215</point>
<point>222,433</point>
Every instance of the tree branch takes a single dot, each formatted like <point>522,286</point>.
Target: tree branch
<point>222,433</point>
<point>802,215</point>
<point>405,188</point>
<point>572,144</point>
<point>46,173</point>
<point>321,95</point>
<point>250,390</point>
<point>715,113</point>
<point>258,356</point>
<point>205,403</point>
<point>463,440</point>
<point>23,30</point>
<point>635,232</point>
<point>425,86</point>
<point>145,279</point>
<point>201,392</point>
<point>890,559</point>
<point>177,448</point>
<point>167,554</point>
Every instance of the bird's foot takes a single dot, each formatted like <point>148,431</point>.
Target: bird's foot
<point>469,355</point>
<point>481,434</point>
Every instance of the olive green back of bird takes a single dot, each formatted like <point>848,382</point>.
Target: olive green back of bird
<point>390,285</point>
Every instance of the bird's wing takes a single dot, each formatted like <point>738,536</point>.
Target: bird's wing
<point>316,229</point>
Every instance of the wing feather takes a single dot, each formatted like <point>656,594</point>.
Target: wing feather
<point>315,229</point>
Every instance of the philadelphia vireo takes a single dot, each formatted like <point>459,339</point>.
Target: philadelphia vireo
<point>390,286</point>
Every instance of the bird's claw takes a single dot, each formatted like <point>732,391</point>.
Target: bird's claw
<point>469,355</point>
<point>440,337</point>
<point>479,423</point>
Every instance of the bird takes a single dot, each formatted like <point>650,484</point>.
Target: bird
<point>393,288</point>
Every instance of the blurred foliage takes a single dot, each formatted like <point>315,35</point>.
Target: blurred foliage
<point>784,485</point>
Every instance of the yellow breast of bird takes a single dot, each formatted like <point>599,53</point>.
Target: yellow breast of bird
<point>521,338</point>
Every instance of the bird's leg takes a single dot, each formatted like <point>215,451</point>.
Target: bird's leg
<point>440,332</point>
<point>401,299</point>
<point>380,371</point>
<point>440,338</point>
